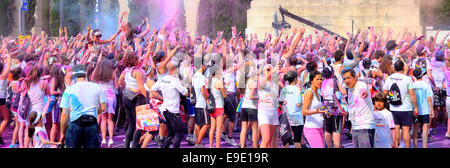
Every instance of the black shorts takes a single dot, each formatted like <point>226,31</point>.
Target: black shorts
<point>403,118</point>
<point>424,119</point>
<point>298,133</point>
<point>2,101</point>
<point>333,124</point>
<point>202,116</point>
<point>230,106</point>
<point>248,114</point>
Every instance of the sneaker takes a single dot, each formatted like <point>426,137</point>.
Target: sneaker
<point>430,139</point>
<point>199,146</point>
<point>231,142</point>
<point>224,137</point>
<point>14,146</point>
<point>191,140</point>
<point>110,142</point>
<point>433,132</point>
<point>103,142</point>
<point>447,135</point>
<point>158,140</point>
<point>1,141</point>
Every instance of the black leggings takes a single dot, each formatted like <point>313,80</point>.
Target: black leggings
<point>130,110</point>
<point>175,128</point>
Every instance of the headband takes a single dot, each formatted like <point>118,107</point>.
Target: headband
<point>79,72</point>
<point>36,119</point>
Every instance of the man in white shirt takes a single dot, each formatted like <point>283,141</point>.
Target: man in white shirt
<point>403,113</point>
<point>202,117</point>
<point>171,87</point>
<point>360,110</point>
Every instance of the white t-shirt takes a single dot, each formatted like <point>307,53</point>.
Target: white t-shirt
<point>82,98</point>
<point>198,81</point>
<point>404,83</point>
<point>438,73</point>
<point>384,122</point>
<point>423,91</point>
<point>170,88</point>
<point>360,109</point>
<point>292,96</point>
<point>229,81</point>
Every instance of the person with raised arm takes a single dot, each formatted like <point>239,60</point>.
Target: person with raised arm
<point>4,69</point>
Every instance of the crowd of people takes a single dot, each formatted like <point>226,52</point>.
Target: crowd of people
<point>288,91</point>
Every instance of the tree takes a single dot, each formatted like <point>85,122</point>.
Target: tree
<point>29,16</point>
<point>54,19</point>
<point>6,17</point>
<point>138,11</point>
<point>222,15</point>
<point>443,12</point>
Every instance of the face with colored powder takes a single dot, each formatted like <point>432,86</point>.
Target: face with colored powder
<point>349,80</point>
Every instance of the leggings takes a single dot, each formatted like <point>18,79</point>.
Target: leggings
<point>314,136</point>
<point>130,110</point>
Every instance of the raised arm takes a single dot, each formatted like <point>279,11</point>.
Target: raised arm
<point>147,29</point>
<point>293,45</point>
<point>110,39</point>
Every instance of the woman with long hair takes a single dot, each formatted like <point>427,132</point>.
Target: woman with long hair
<point>219,94</point>
<point>35,87</point>
<point>312,109</point>
<point>104,75</point>
<point>249,112</point>
<point>133,78</point>
<point>267,106</point>
<point>57,87</point>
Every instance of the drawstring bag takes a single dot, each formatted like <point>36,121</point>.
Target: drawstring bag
<point>147,119</point>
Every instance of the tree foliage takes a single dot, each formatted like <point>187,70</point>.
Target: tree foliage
<point>6,17</point>
<point>221,15</point>
<point>29,16</point>
<point>444,12</point>
<point>138,11</point>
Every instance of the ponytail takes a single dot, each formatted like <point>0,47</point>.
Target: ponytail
<point>30,131</point>
<point>32,120</point>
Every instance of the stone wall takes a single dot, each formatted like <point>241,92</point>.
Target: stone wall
<point>337,15</point>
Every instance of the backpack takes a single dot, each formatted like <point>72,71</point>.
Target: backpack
<point>211,106</point>
<point>192,96</point>
<point>24,106</point>
<point>9,96</point>
<point>14,98</point>
<point>395,97</point>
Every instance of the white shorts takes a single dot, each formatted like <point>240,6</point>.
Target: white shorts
<point>268,116</point>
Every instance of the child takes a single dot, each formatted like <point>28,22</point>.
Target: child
<point>37,131</point>
<point>292,97</point>
<point>15,84</point>
<point>384,123</point>
<point>424,94</point>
